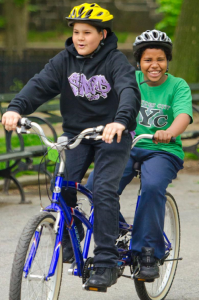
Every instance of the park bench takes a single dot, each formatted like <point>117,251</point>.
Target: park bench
<point>12,159</point>
<point>21,158</point>
<point>50,117</point>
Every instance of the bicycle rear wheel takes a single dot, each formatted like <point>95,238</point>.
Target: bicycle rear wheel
<point>161,286</point>
<point>34,286</point>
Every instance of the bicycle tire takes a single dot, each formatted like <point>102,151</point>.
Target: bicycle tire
<point>159,289</point>
<point>24,288</point>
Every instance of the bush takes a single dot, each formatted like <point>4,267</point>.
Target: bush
<point>171,11</point>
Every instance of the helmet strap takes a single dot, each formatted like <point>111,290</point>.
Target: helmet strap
<point>90,55</point>
<point>167,66</point>
<point>138,66</point>
<point>102,41</point>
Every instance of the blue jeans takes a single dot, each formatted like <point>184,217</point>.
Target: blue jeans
<point>158,170</point>
<point>110,162</point>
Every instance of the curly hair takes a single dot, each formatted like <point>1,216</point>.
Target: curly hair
<point>138,53</point>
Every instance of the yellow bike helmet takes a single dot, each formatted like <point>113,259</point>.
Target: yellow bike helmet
<point>92,14</point>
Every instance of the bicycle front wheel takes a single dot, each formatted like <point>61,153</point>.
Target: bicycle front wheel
<point>161,286</point>
<point>34,286</point>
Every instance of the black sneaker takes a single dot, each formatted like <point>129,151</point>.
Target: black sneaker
<point>149,269</point>
<point>101,278</point>
<point>68,255</point>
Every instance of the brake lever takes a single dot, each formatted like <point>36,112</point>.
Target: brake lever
<point>22,130</point>
<point>93,136</point>
<point>24,124</point>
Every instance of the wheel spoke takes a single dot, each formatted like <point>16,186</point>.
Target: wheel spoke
<point>161,286</point>
<point>35,286</point>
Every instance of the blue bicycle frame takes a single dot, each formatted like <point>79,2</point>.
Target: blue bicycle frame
<point>65,215</point>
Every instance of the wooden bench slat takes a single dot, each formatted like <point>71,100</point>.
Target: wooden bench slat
<point>54,120</point>
<point>194,86</point>
<point>14,156</point>
<point>36,150</point>
<point>47,107</point>
<point>6,97</point>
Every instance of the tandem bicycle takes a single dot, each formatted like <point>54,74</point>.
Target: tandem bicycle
<point>38,262</point>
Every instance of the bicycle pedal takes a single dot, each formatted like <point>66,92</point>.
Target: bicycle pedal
<point>94,289</point>
<point>145,280</point>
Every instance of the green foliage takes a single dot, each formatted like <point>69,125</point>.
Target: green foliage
<point>17,85</point>
<point>122,36</point>
<point>20,2</point>
<point>2,22</point>
<point>33,8</point>
<point>38,36</point>
<point>171,11</point>
<point>62,33</point>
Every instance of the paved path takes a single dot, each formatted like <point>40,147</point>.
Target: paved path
<point>185,189</point>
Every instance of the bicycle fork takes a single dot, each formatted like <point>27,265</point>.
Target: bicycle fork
<point>58,229</point>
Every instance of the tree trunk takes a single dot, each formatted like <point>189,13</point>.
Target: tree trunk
<point>16,27</point>
<point>185,62</point>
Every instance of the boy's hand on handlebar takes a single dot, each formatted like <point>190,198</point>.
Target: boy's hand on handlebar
<point>10,120</point>
<point>162,136</point>
<point>111,130</point>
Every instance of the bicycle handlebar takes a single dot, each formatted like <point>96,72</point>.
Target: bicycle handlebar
<point>25,124</point>
<point>149,137</point>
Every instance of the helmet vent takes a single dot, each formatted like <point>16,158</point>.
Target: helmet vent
<point>163,37</point>
<point>101,13</point>
<point>155,34</point>
<point>153,37</point>
<point>89,13</point>
<point>81,10</point>
<point>73,13</point>
<point>147,36</point>
<point>92,5</point>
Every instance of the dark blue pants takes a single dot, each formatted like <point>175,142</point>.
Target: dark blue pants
<point>110,161</point>
<point>158,170</point>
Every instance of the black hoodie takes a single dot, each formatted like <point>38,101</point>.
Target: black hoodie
<point>94,90</point>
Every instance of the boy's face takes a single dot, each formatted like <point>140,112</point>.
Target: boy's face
<point>153,64</point>
<point>86,38</point>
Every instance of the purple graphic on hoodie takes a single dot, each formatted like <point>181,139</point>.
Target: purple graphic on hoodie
<point>94,88</point>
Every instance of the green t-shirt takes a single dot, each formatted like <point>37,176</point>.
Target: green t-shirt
<point>160,105</point>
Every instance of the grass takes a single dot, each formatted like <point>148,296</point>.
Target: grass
<point>189,155</point>
<point>29,140</point>
<point>46,36</point>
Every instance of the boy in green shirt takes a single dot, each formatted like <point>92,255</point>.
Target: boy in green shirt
<point>166,111</point>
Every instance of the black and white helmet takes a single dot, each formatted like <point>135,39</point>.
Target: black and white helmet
<point>153,37</point>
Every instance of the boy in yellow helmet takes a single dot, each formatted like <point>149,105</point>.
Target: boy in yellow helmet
<point>98,87</point>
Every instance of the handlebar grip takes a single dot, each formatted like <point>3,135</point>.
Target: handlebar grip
<point>24,123</point>
<point>19,123</point>
<point>172,140</point>
<point>126,131</point>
